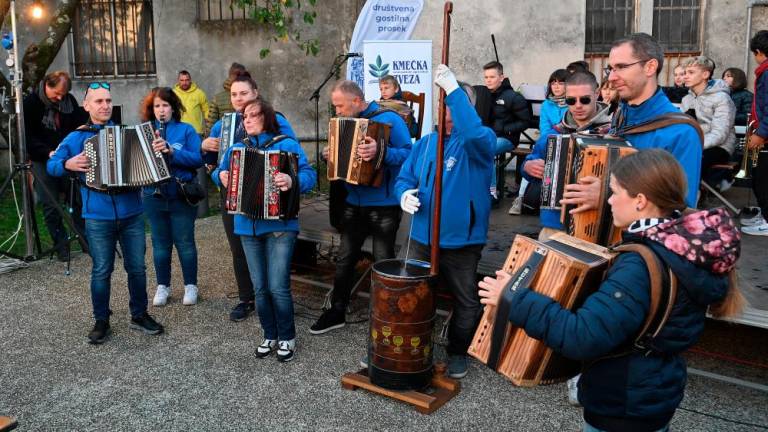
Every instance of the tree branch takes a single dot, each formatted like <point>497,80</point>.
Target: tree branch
<point>39,57</point>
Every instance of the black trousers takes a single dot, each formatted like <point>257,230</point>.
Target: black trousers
<point>458,273</point>
<point>240,265</point>
<point>710,157</point>
<point>60,187</point>
<point>760,182</point>
<point>357,223</point>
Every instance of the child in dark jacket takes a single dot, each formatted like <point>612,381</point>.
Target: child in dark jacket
<point>622,388</point>
<point>392,98</point>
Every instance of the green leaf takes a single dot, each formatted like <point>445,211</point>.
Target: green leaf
<point>263,53</point>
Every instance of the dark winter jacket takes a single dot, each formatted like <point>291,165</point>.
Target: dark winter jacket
<point>620,388</point>
<point>510,113</point>
<point>675,93</point>
<point>41,140</point>
<point>743,101</point>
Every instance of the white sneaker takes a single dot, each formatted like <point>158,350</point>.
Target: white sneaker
<point>266,347</point>
<point>161,295</point>
<point>724,185</point>
<point>573,391</point>
<point>754,220</point>
<point>190,294</point>
<point>285,350</point>
<point>759,230</point>
<point>517,206</point>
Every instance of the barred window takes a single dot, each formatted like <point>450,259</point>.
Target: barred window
<point>221,10</point>
<point>607,20</point>
<point>113,38</point>
<point>676,25</point>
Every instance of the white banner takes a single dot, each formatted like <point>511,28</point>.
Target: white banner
<point>410,62</point>
<point>381,20</point>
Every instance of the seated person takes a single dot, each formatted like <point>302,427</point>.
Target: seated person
<point>741,97</point>
<point>676,92</point>
<point>392,98</point>
<point>711,103</point>
<point>609,96</point>
<point>585,114</point>
<point>510,113</point>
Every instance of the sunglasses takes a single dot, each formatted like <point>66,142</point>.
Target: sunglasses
<point>97,85</point>
<point>585,100</point>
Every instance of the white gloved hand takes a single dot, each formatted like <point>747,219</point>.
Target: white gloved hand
<point>445,79</point>
<point>409,202</point>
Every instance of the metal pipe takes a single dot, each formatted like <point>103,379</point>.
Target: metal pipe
<point>18,96</point>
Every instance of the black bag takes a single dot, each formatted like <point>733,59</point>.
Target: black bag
<point>192,191</point>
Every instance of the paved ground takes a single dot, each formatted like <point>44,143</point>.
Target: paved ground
<point>201,375</point>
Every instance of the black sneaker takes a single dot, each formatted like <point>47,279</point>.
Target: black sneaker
<point>99,333</point>
<point>329,320</point>
<point>241,311</point>
<point>146,324</point>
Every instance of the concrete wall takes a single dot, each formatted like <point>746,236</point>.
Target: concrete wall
<point>533,38</point>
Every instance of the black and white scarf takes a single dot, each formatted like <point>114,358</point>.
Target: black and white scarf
<point>52,108</point>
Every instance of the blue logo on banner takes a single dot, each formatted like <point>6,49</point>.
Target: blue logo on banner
<point>378,70</point>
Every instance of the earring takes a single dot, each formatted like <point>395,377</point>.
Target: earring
<point>637,208</point>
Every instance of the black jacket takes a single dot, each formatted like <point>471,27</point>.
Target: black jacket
<point>41,140</point>
<point>510,113</point>
<point>743,101</point>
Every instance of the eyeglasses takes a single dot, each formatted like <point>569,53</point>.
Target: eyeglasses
<point>585,100</point>
<point>620,67</point>
<point>97,85</point>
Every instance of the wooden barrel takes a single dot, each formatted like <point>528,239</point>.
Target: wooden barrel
<point>402,319</point>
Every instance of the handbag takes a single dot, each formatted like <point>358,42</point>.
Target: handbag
<point>192,191</point>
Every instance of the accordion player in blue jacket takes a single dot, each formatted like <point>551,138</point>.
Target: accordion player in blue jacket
<point>268,244</point>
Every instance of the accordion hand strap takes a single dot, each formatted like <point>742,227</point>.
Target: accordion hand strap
<point>662,121</point>
<point>522,278</point>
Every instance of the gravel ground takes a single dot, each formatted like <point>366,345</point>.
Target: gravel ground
<point>201,375</point>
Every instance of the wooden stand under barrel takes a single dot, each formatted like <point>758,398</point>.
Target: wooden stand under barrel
<point>441,389</point>
<point>403,310</point>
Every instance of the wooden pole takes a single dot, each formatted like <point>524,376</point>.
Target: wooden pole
<point>438,192</point>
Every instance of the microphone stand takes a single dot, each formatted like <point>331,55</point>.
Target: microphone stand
<point>335,67</point>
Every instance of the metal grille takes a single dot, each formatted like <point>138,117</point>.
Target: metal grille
<point>607,20</point>
<point>222,10</point>
<point>676,25</point>
<point>113,38</point>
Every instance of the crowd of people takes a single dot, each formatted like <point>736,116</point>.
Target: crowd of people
<point>653,192</point>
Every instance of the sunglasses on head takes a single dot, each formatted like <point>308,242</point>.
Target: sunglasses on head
<point>585,100</point>
<point>97,85</point>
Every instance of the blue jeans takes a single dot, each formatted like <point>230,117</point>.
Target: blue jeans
<point>172,222</point>
<point>503,145</point>
<point>269,262</point>
<point>103,236</point>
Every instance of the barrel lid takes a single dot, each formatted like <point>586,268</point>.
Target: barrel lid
<point>399,268</point>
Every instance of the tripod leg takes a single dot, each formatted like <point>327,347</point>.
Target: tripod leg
<point>66,217</point>
<point>722,199</point>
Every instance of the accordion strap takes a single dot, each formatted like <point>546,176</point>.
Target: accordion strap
<point>377,111</point>
<point>276,139</point>
<point>659,122</point>
<point>523,277</point>
<point>663,293</point>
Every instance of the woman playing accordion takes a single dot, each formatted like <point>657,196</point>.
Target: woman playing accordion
<point>268,244</point>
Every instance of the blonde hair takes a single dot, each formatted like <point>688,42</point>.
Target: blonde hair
<point>389,79</point>
<point>702,62</point>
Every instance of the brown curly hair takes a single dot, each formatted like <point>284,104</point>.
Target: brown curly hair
<point>146,109</point>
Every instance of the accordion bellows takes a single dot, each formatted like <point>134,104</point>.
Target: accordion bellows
<point>344,136</point>
<point>251,190</point>
<point>571,157</point>
<point>122,158</point>
<point>571,270</point>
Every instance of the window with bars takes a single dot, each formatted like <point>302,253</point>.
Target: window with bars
<point>221,10</point>
<point>676,25</point>
<point>113,38</point>
<point>607,20</point>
